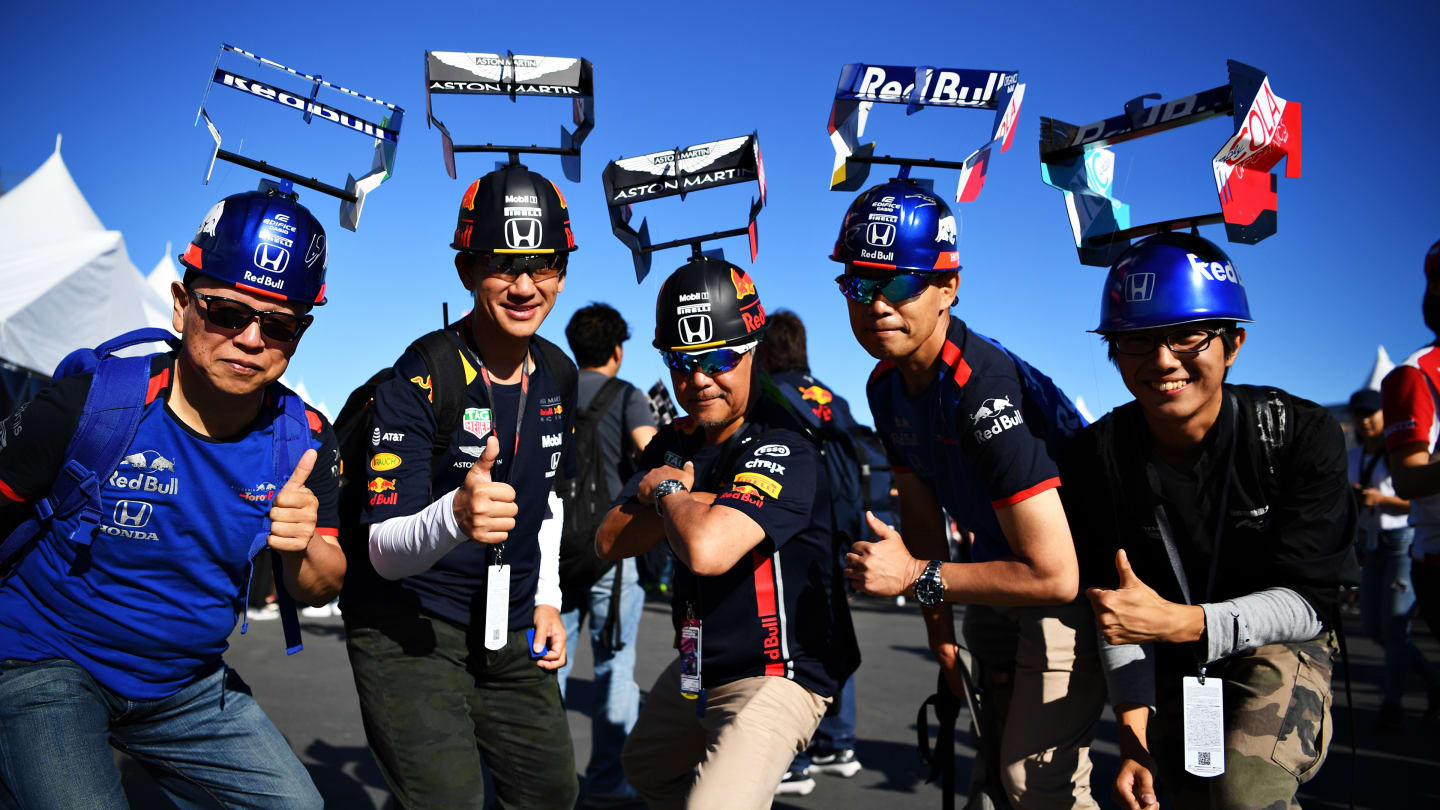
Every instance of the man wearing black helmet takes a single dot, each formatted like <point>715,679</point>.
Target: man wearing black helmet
<point>762,627</point>
<point>453,616</point>
<point>111,634</point>
<point>974,429</point>
<point>1219,520</point>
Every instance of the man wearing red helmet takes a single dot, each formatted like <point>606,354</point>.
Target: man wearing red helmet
<point>975,430</point>
<point>452,612</point>
<point>117,641</point>
<point>1215,524</point>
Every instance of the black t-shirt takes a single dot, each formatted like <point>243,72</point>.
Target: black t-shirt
<point>779,611</point>
<point>403,479</point>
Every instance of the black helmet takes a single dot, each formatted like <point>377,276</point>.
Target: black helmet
<point>513,210</point>
<point>707,304</point>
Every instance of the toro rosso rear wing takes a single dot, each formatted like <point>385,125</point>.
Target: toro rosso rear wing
<point>511,74</point>
<point>1075,160</point>
<point>862,85</point>
<point>679,172</point>
<point>381,121</point>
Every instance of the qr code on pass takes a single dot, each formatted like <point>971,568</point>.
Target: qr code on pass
<point>1204,757</point>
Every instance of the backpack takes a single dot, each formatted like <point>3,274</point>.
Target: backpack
<point>107,425</point>
<point>440,351</point>
<point>876,478</point>
<point>841,458</point>
<point>587,499</point>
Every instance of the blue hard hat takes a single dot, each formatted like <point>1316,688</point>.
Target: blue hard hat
<point>263,242</point>
<point>1169,279</point>
<point>899,225</point>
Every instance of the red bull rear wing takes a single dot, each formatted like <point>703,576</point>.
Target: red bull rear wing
<point>316,99</point>
<point>861,86</point>
<point>1075,160</point>
<point>679,172</point>
<point>511,74</point>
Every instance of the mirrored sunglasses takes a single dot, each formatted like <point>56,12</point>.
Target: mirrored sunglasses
<point>896,288</point>
<point>717,361</point>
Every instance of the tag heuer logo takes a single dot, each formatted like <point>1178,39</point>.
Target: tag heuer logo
<point>477,422</point>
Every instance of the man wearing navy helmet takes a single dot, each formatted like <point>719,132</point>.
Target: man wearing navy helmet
<point>974,429</point>
<point>740,495</point>
<point>457,575</point>
<point>1218,520</point>
<point>121,645</point>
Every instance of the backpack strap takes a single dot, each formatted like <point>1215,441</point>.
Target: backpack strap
<point>566,377</point>
<point>290,440</point>
<point>604,398</point>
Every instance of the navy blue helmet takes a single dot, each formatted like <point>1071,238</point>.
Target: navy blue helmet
<point>1169,279</point>
<point>899,225</point>
<point>263,242</point>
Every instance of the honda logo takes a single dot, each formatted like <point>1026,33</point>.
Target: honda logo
<point>271,258</point>
<point>555,460</point>
<point>695,329</point>
<point>1139,287</point>
<point>134,514</point>
<point>880,234</point>
<point>523,233</point>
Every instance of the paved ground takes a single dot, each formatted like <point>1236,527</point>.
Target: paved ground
<point>311,698</point>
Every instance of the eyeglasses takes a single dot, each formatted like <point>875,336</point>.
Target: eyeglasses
<point>895,288</point>
<point>227,313</point>
<point>717,361</point>
<point>539,266</point>
<point>1181,341</point>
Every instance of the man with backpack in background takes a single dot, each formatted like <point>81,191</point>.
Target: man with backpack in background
<point>452,612</point>
<point>784,357</point>
<point>1220,522</point>
<point>139,536</point>
<point>613,423</point>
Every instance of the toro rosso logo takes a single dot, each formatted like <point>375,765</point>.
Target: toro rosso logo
<point>989,408</point>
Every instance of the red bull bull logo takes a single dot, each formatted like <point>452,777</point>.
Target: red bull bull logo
<point>424,385</point>
<point>817,395</point>
<point>468,201</point>
<point>381,485</point>
<point>744,287</point>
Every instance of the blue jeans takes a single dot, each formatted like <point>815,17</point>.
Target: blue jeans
<point>1387,605</point>
<point>208,745</point>
<point>834,734</point>
<point>616,696</point>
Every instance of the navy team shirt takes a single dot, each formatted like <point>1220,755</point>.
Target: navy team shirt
<point>403,479</point>
<point>983,435</point>
<point>151,610</point>
<point>780,611</point>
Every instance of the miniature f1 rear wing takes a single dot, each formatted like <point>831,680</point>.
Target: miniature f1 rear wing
<point>681,171</point>
<point>384,128</point>
<point>512,74</point>
<point>1267,128</point>
<point>862,85</point>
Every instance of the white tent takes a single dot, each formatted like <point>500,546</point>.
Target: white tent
<point>1383,365</point>
<point>67,281</point>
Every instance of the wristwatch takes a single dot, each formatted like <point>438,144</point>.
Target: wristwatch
<point>929,587</point>
<point>666,487</point>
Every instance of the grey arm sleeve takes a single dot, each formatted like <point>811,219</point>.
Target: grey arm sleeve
<point>1129,672</point>
<point>1256,619</point>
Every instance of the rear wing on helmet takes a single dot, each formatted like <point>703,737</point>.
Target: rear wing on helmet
<point>862,85</point>
<point>679,172</point>
<point>511,74</point>
<point>380,121</point>
<point>1075,160</point>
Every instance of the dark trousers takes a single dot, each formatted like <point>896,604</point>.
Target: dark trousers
<point>439,708</point>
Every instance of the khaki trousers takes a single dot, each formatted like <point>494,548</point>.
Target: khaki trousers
<point>730,759</point>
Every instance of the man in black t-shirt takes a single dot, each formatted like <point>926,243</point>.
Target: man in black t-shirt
<point>452,614</point>
<point>740,494</point>
<point>596,334</point>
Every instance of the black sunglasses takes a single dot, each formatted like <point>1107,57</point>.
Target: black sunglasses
<point>227,313</point>
<point>539,266</point>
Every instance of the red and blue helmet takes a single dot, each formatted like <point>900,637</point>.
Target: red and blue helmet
<point>1169,279</point>
<point>899,225</point>
<point>262,242</point>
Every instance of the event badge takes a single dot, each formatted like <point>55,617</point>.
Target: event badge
<point>1204,726</point>
<point>690,656</point>
<point>497,606</point>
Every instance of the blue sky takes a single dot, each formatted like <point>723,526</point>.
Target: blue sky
<point>1343,274</point>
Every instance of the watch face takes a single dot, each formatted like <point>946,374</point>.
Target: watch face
<point>929,592</point>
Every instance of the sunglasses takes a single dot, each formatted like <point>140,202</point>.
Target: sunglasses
<point>896,288</point>
<point>227,313</point>
<point>539,266</point>
<point>717,361</point>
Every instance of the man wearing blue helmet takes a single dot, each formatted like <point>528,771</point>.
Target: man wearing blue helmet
<point>118,642</point>
<point>1218,520</point>
<point>975,430</point>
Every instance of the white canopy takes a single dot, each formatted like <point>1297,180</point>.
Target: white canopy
<point>1383,365</point>
<point>67,281</point>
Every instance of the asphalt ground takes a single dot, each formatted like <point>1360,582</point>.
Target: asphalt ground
<point>311,699</point>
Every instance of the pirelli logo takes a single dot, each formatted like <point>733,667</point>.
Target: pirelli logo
<point>764,483</point>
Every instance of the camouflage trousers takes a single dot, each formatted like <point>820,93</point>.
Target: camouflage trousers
<point>1277,729</point>
<point>439,709</point>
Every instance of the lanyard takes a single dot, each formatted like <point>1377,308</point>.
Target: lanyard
<point>504,477</point>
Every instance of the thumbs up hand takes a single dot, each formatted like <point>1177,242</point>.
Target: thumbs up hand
<point>883,567</point>
<point>1134,613</point>
<point>485,509</point>
<point>293,510</point>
